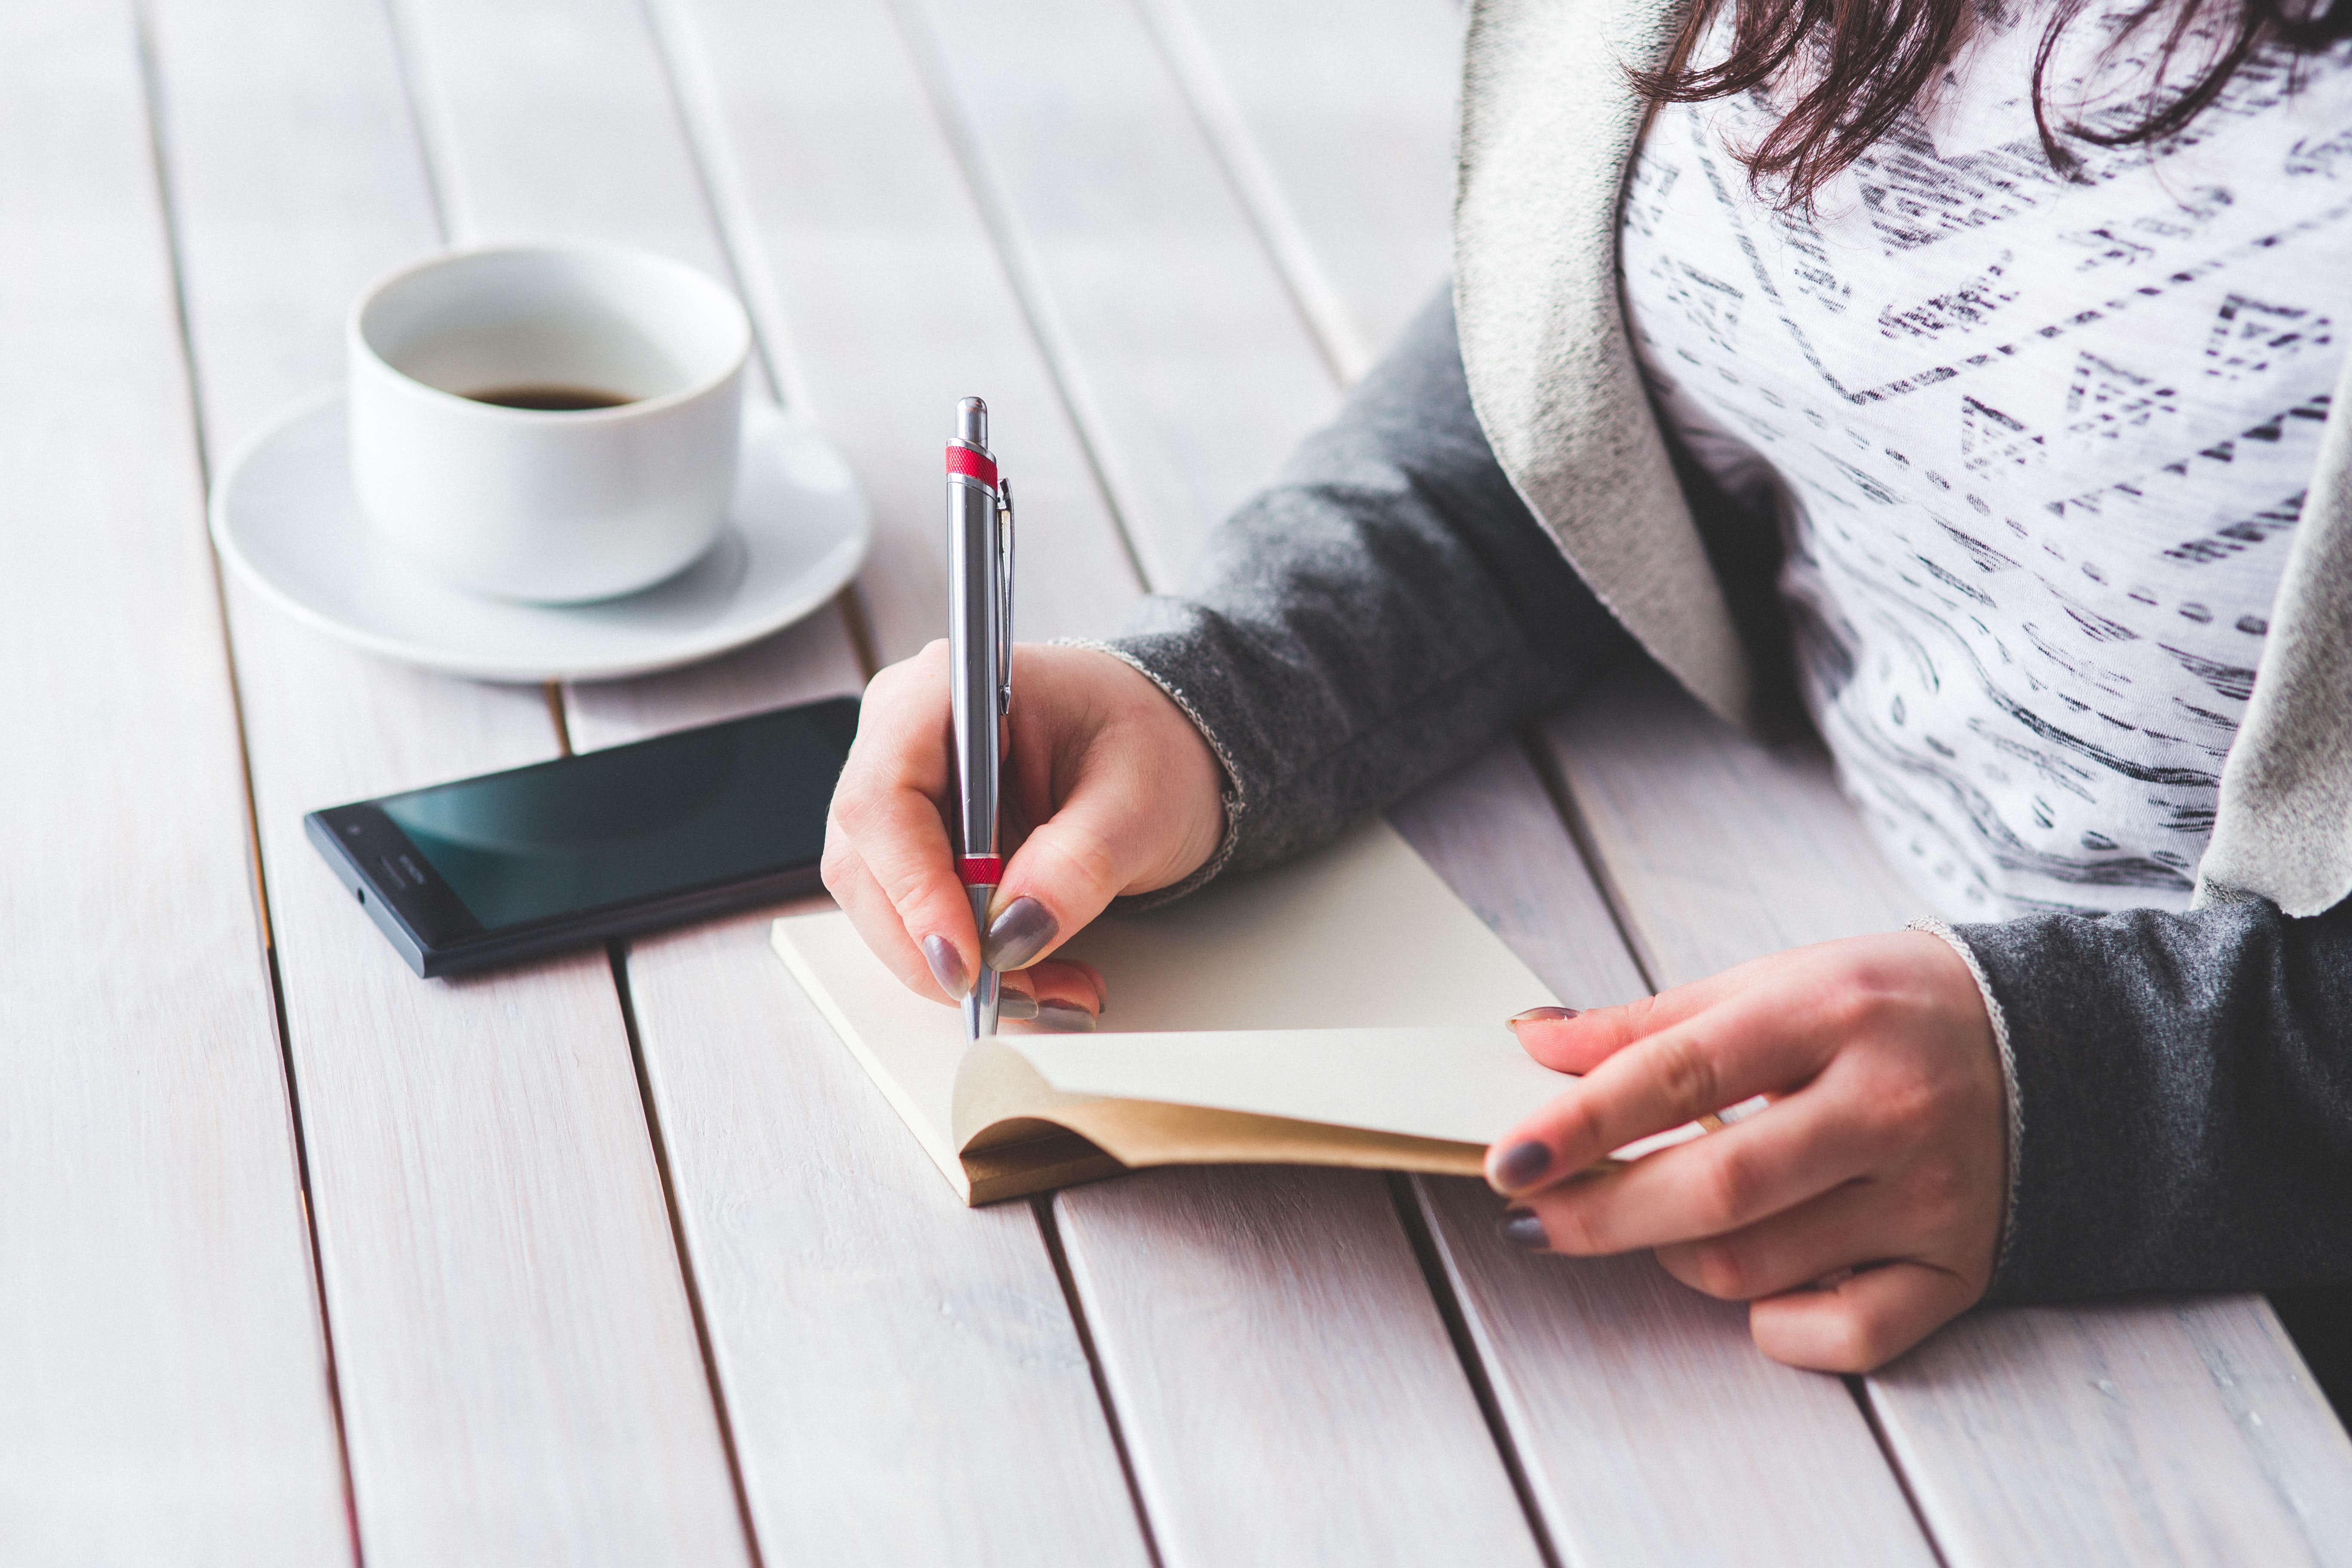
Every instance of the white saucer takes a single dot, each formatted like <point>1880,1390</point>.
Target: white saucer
<point>285,517</point>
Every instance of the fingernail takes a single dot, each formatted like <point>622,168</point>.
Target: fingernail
<point>1017,935</point>
<point>1521,1228</point>
<point>1521,1163</point>
<point>1064,1017</point>
<point>947,966</point>
<point>1541,1016</point>
<point>1017,1005</point>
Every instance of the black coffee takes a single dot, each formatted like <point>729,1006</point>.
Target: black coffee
<point>553,398</point>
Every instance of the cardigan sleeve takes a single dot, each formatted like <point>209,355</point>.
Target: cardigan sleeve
<point>1384,612</point>
<point>2184,1087</point>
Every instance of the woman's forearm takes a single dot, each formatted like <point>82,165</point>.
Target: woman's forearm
<point>1380,613</point>
<point>2186,1088</point>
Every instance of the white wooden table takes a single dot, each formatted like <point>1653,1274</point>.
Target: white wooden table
<point>620,1258</point>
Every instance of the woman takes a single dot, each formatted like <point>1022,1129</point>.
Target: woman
<point>1964,374</point>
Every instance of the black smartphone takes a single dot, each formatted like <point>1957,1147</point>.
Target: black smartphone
<point>511,865</point>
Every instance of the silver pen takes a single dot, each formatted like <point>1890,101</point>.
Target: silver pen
<point>979,658</point>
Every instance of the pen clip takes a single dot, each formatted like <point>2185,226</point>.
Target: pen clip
<point>1004,595</point>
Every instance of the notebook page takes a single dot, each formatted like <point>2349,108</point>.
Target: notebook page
<point>1361,934</point>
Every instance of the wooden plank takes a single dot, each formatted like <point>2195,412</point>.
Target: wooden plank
<point>1720,849</point>
<point>1176,344</point>
<point>1630,1395</point>
<point>1283,1377</point>
<point>162,1363</point>
<point>1624,1393</point>
<point>1490,830</point>
<point>799,664</point>
<point>2189,1431</point>
<point>2179,1432</point>
<point>867,1330</point>
<point>882,300</point>
<point>1337,128</point>
<point>903,1376</point>
<point>520,1376</point>
<point>554,122</point>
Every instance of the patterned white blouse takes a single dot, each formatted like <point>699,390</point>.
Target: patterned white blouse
<point>2035,441</point>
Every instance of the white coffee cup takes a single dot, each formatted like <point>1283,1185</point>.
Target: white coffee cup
<point>551,505</point>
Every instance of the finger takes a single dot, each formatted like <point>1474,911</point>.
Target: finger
<point>901,855</point>
<point>1068,995</point>
<point>1863,1321</point>
<point>1851,1224</point>
<point>1543,1034</point>
<point>886,815</point>
<point>880,926</point>
<point>1744,1045</point>
<point>1711,1185</point>
<point>1565,1039</point>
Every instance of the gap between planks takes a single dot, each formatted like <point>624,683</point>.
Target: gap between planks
<point>926,51</point>
<point>617,954</point>
<point>151,88</point>
<point>1579,834</point>
<point>1258,190</point>
<point>1049,1230</point>
<point>1403,1194</point>
<point>1859,1387</point>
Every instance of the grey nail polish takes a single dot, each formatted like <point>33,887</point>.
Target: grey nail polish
<point>1522,1162</point>
<point>1017,1005</point>
<point>947,966</point>
<point>1064,1019</point>
<point>1541,1016</point>
<point>1521,1228</point>
<point>1017,935</point>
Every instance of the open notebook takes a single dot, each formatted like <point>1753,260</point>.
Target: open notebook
<point>1344,1010</point>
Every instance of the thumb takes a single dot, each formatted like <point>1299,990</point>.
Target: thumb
<point>1069,868</point>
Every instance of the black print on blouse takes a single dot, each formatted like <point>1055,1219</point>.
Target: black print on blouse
<point>2030,612</point>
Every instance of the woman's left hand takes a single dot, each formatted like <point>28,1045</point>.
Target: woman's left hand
<point>1857,1215</point>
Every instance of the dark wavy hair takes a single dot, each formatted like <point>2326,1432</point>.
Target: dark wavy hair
<point>1854,67</point>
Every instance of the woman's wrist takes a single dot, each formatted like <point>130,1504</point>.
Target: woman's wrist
<point>1229,801</point>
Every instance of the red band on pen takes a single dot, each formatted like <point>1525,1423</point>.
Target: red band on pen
<point>964,461</point>
<point>980,871</point>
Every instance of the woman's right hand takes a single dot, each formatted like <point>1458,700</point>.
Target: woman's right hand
<point>1123,791</point>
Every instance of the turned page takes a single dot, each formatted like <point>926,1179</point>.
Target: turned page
<point>1360,936</point>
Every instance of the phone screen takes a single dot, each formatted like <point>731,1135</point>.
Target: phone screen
<point>701,807</point>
